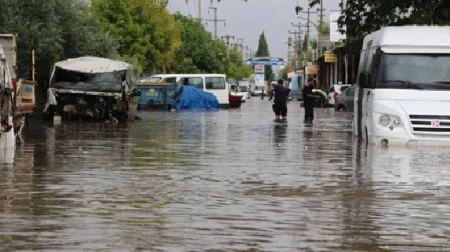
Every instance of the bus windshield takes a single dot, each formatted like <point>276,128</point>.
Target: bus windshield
<point>415,71</point>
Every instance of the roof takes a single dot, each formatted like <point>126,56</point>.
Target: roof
<point>410,35</point>
<point>90,64</point>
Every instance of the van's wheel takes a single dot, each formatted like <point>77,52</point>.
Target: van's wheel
<point>341,108</point>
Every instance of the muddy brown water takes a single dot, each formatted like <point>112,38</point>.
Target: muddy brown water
<point>232,180</point>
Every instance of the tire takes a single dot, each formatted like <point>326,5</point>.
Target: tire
<point>341,108</point>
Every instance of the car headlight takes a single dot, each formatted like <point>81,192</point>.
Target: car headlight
<point>384,120</point>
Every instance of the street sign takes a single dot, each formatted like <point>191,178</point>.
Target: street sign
<point>266,61</point>
<point>259,69</point>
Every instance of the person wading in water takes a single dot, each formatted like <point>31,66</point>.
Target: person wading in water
<point>308,101</point>
<point>280,95</point>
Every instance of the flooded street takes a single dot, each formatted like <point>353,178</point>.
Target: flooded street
<point>232,180</point>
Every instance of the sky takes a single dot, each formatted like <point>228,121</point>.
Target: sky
<point>247,20</point>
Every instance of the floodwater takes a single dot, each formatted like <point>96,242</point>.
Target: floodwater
<point>222,181</point>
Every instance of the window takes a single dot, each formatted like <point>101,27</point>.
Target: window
<point>350,91</point>
<point>415,71</point>
<point>194,81</point>
<point>170,80</point>
<point>215,83</point>
<point>343,88</point>
<point>99,82</point>
<point>151,79</point>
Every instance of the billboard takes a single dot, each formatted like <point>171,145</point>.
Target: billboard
<point>259,71</point>
<point>335,35</point>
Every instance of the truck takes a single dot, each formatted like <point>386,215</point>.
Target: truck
<point>24,101</point>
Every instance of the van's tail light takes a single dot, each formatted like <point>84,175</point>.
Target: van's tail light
<point>335,95</point>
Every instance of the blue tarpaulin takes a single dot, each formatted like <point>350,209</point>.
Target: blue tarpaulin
<point>195,98</point>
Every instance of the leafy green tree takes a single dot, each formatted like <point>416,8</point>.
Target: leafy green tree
<point>361,17</point>
<point>147,33</point>
<point>263,51</point>
<point>238,70</point>
<point>56,30</point>
<point>199,52</point>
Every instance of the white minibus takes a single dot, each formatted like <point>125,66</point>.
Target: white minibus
<point>402,96</point>
<point>213,83</point>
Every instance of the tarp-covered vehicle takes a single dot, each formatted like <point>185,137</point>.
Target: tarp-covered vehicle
<point>92,88</point>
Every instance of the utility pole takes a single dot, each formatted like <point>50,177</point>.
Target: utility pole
<point>321,15</point>
<point>199,10</point>
<point>296,43</point>
<point>240,44</point>
<point>299,43</point>
<point>227,42</point>
<point>215,20</point>
<point>308,12</point>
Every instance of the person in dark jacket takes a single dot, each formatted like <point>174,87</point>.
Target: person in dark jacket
<point>280,96</point>
<point>308,100</point>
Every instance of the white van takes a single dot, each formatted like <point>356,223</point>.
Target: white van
<point>213,83</point>
<point>402,94</point>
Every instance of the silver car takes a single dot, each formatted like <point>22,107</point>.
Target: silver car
<point>344,101</point>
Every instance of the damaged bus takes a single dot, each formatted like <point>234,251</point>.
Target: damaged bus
<point>92,88</point>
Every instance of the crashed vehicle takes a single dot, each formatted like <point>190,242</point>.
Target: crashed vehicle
<point>92,88</point>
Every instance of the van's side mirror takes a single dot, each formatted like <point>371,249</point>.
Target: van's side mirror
<point>364,80</point>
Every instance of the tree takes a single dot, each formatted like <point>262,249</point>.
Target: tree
<point>238,70</point>
<point>199,52</point>
<point>56,30</point>
<point>361,17</point>
<point>325,28</point>
<point>147,33</point>
<point>263,51</point>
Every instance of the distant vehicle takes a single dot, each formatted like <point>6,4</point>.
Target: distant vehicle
<point>237,90</point>
<point>335,90</point>
<point>344,101</point>
<point>245,90</point>
<point>402,94</point>
<point>258,90</point>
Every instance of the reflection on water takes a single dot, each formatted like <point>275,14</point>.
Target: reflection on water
<point>224,181</point>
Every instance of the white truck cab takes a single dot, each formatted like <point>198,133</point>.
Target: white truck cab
<point>402,96</point>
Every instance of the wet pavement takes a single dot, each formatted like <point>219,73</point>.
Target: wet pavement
<point>222,181</point>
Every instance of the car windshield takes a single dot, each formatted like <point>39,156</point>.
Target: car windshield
<point>98,82</point>
<point>416,71</point>
<point>243,88</point>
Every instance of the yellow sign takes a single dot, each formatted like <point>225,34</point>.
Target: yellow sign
<point>330,58</point>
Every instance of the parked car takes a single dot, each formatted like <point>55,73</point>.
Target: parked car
<point>258,90</point>
<point>237,90</point>
<point>344,101</point>
<point>234,98</point>
<point>335,90</point>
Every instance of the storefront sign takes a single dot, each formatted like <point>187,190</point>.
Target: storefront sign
<point>311,70</point>
<point>330,58</point>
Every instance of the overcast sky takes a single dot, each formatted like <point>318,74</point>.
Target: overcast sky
<point>248,19</point>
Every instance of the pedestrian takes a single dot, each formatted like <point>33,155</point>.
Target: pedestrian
<point>280,96</point>
<point>308,101</point>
